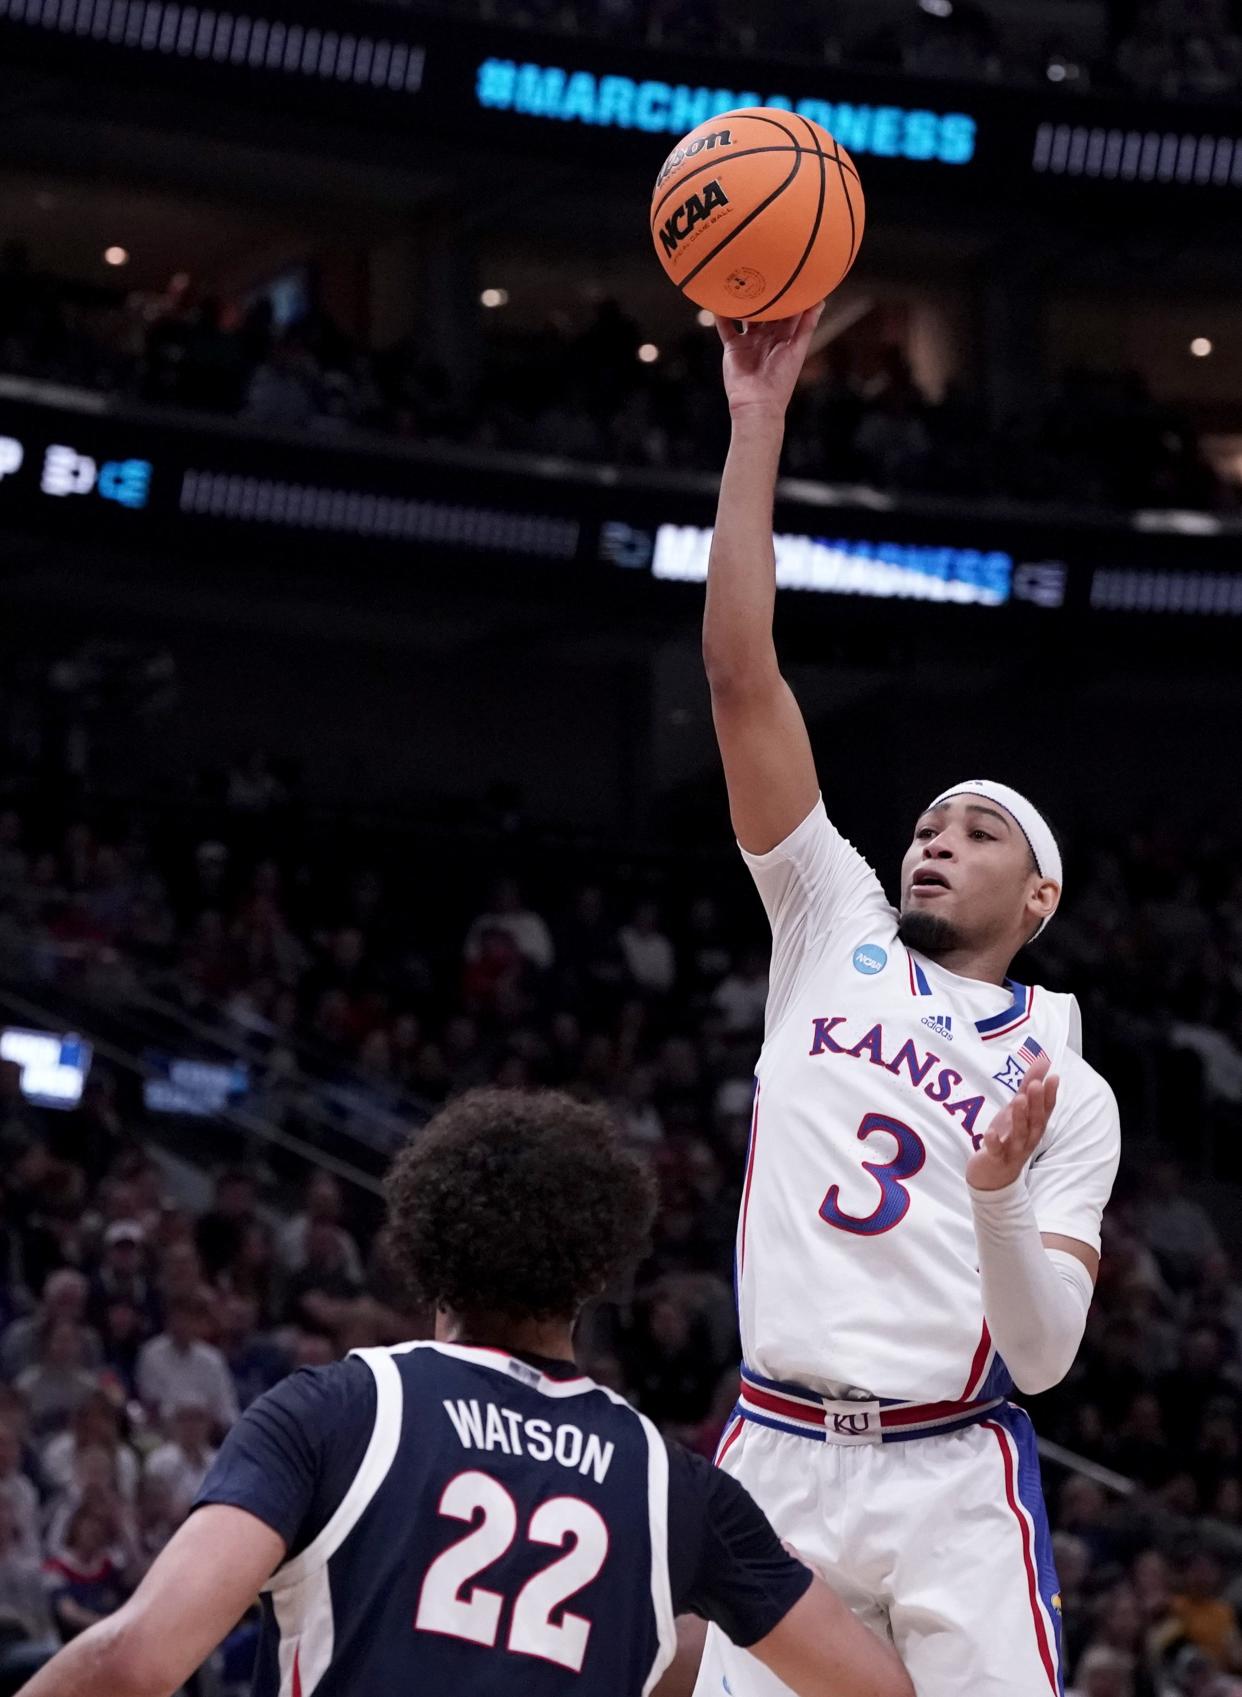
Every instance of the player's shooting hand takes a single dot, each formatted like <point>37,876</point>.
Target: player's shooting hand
<point>1015,1133</point>
<point>762,363</point>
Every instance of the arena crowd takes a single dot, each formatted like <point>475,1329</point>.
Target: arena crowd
<point>1163,48</point>
<point>581,392</point>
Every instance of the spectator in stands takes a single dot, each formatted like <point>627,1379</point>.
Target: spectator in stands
<point>65,1295</point>
<point>155,1521</point>
<point>1073,1565</point>
<point>1205,1617</point>
<point>124,1330</point>
<point>1119,1627</point>
<point>18,1495</point>
<point>1191,1673</point>
<point>1177,1228</point>
<point>60,1380</point>
<point>93,1483</point>
<point>318,1291</point>
<point>27,1635</point>
<point>1104,1672</point>
<point>649,957</point>
<point>85,1583</point>
<point>634,1108</point>
<point>1205,1376</point>
<point>508,913</point>
<point>592,968</point>
<point>1220,1056</point>
<point>255,1361</point>
<point>284,392</point>
<point>893,441</point>
<point>95,1425</point>
<point>254,1271</point>
<point>742,995</point>
<point>182,1462</point>
<point>669,1360</point>
<point>324,1206</point>
<point>178,1367</point>
<point>1083,1509</point>
<point>220,1230</point>
<point>180,1269</point>
<point>121,1276</point>
<point>1141,1446</point>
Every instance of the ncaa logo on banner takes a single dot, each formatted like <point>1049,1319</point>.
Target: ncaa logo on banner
<point>871,958</point>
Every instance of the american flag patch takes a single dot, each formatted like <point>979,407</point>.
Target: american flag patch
<point>1030,1051</point>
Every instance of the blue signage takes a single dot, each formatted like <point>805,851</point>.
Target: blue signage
<point>659,108</point>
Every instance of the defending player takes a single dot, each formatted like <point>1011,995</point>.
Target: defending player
<point>929,1160</point>
<point>471,1515</point>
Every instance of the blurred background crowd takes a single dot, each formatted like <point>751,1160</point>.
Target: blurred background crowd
<point>1147,46</point>
<point>584,390</point>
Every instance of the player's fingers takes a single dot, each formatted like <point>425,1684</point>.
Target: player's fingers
<point>1036,1108</point>
<point>729,330</point>
<point>1020,1112</point>
<point>1015,1119</point>
<point>802,328</point>
<point>1044,1103</point>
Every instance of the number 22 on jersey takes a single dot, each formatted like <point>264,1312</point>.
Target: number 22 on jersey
<point>449,1604</point>
<point>893,1200</point>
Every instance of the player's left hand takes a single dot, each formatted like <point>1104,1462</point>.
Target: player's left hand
<point>1015,1133</point>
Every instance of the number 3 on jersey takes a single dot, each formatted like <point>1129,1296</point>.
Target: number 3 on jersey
<point>894,1198</point>
<point>448,1604</point>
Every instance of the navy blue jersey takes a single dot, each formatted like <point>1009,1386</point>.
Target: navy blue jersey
<point>462,1520</point>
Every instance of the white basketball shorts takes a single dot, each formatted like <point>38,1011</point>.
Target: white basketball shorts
<point>939,1543</point>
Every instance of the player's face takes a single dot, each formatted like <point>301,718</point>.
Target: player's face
<point>968,869</point>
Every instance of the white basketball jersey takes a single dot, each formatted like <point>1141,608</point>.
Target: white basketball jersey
<point>856,1257</point>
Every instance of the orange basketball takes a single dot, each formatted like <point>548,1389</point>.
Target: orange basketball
<point>757,214</point>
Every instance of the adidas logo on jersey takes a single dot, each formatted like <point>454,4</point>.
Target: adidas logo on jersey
<point>941,1024</point>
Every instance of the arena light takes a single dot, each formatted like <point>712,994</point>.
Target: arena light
<point>937,8</point>
<point>54,1067</point>
<point>705,318</point>
<point>357,512</point>
<point>178,30</point>
<point>1137,156</point>
<point>494,297</point>
<point>1201,347</point>
<point>116,256</point>
<point>648,353</point>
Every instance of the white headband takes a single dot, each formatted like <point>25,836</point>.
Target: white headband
<point>1030,821</point>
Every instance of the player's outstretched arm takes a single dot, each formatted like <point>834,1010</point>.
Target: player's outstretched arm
<point>195,1593</point>
<point>767,757</point>
<point>821,1650</point>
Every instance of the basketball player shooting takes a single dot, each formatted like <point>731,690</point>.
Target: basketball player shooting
<point>929,1160</point>
<point>472,1516</point>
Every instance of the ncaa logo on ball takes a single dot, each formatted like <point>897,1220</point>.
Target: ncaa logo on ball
<point>697,209</point>
<point>871,958</point>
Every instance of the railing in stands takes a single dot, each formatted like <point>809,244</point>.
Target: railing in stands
<point>248,1125</point>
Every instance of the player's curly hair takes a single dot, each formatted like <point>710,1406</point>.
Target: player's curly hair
<point>516,1202</point>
